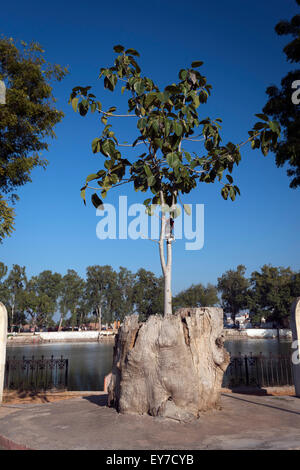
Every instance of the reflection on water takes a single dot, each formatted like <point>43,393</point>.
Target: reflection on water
<point>90,362</point>
<point>257,346</point>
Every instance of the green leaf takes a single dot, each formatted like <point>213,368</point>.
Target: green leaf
<point>178,129</point>
<point>82,194</point>
<point>95,145</point>
<point>264,117</point>
<point>230,179</point>
<point>92,176</point>
<point>197,63</point>
<point>119,48</point>
<point>75,104</point>
<point>132,52</point>
<point>139,87</point>
<point>148,171</point>
<point>108,147</point>
<point>97,201</point>
<point>173,160</point>
<point>274,126</point>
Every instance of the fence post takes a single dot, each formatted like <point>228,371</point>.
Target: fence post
<point>246,369</point>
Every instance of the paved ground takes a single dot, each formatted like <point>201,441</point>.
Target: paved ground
<point>245,422</point>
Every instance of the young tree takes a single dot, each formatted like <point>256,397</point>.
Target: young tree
<point>283,103</point>
<point>166,122</point>
<point>197,296</point>
<point>27,119</point>
<point>234,286</point>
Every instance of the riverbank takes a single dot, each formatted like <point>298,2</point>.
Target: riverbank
<point>258,333</point>
<point>60,337</point>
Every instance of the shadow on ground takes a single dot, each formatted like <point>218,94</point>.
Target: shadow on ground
<point>100,400</point>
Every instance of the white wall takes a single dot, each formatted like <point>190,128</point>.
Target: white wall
<point>71,335</point>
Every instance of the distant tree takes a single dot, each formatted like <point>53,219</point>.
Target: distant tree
<point>3,288</point>
<point>271,296</point>
<point>282,107</point>
<point>125,290</point>
<point>15,285</point>
<point>101,292</point>
<point>27,119</point>
<point>197,296</point>
<point>38,306</point>
<point>234,286</point>
<point>50,284</point>
<point>148,294</point>
<point>295,285</point>
<point>71,294</point>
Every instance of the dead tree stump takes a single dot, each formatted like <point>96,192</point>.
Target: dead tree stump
<point>169,366</point>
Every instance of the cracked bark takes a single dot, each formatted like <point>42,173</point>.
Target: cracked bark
<point>169,366</point>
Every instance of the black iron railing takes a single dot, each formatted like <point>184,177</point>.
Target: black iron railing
<point>259,371</point>
<point>36,374</point>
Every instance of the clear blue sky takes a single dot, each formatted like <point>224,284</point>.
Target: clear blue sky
<point>242,56</point>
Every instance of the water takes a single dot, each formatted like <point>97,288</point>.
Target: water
<point>90,362</point>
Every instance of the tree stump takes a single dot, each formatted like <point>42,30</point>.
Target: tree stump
<point>169,366</point>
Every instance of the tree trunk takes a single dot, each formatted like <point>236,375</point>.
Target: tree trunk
<point>99,315</point>
<point>166,265</point>
<point>169,366</point>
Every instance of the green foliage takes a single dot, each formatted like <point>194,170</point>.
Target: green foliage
<point>281,107</point>
<point>166,119</point>
<point>71,294</point>
<point>26,120</point>
<point>148,294</point>
<point>234,288</point>
<point>273,291</point>
<point>197,296</point>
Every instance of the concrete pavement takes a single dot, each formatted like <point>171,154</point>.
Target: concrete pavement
<point>244,422</point>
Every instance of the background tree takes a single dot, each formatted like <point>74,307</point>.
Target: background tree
<point>71,294</point>
<point>37,305</point>
<point>27,119</point>
<point>197,296</point>
<point>100,290</point>
<point>15,284</point>
<point>125,291</point>
<point>234,286</point>
<point>271,295</point>
<point>281,106</point>
<point>165,120</point>
<point>3,289</point>
<point>148,294</point>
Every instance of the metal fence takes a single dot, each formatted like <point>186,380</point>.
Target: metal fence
<point>36,374</point>
<point>259,371</point>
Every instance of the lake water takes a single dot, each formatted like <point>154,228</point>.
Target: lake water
<point>90,362</point>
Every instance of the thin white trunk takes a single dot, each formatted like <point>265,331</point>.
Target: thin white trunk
<point>166,266</point>
<point>168,281</point>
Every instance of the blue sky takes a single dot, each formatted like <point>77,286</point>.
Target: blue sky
<point>242,56</point>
